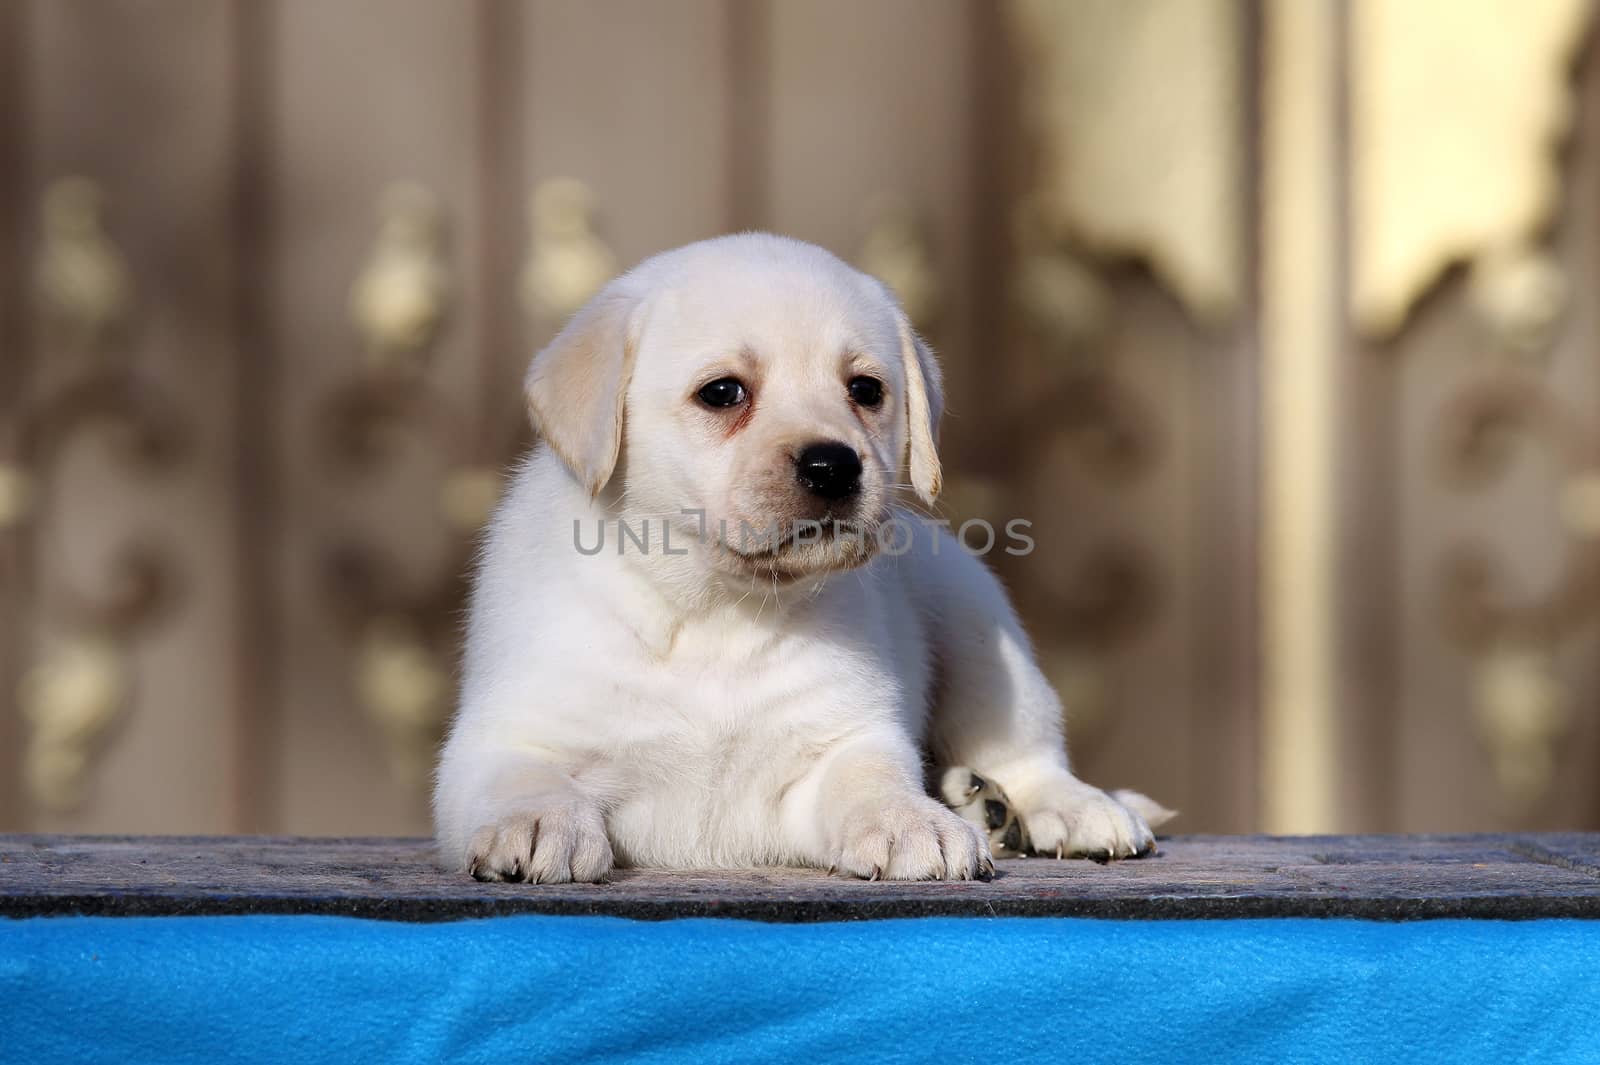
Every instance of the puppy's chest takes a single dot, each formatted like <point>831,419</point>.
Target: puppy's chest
<point>721,676</point>
<point>729,692</point>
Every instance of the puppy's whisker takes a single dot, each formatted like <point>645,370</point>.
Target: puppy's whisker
<point>923,512</point>
<point>760,608</point>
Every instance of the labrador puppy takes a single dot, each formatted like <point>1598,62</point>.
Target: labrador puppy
<point>693,644</point>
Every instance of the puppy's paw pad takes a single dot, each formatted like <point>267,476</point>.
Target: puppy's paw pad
<point>556,845</point>
<point>984,803</point>
<point>1088,823</point>
<point>913,840</point>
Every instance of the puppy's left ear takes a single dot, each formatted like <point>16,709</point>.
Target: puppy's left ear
<point>575,387</point>
<point>924,407</point>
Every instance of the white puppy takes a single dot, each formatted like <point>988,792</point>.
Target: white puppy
<point>751,668</point>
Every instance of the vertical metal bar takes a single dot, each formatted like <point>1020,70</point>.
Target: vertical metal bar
<point>1300,334</point>
<point>14,377</point>
<point>750,74</point>
<point>257,557</point>
<point>501,192</point>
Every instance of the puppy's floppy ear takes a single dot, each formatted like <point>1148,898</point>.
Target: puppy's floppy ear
<point>924,407</point>
<point>575,386</point>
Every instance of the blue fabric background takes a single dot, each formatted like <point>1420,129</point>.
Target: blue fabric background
<point>572,990</point>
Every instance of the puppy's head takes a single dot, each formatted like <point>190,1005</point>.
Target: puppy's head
<point>752,389</point>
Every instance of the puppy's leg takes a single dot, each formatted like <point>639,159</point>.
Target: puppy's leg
<point>861,811</point>
<point>515,817</point>
<point>996,712</point>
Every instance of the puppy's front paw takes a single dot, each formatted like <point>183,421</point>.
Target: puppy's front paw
<point>555,845</point>
<point>1080,821</point>
<point>912,839</point>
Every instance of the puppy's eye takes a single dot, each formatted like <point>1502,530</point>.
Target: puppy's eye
<point>723,392</point>
<point>867,391</point>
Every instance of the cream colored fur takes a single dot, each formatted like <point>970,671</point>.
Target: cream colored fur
<point>699,705</point>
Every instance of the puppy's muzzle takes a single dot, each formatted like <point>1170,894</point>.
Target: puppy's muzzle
<point>829,470</point>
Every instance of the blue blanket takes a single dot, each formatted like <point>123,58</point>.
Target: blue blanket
<point>571,990</point>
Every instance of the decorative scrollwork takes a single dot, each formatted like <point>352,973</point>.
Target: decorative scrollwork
<point>1096,607</point>
<point>1063,296</point>
<point>468,496</point>
<point>1106,427</point>
<point>1110,597</point>
<point>16,495</point>
<point>363,416</point>
<point>69,700</point>
<point>1519,704</point>
<point>404,632</point>
<point>1111,592</point>
<point>85,298</point>
<point>402,626</point>
<point>567,260</point>
<point>1521,713</point>
<point>144,431</point>
<point>82,281</point>
<point>1521,294</point>
<point>1475,436</point>
<point>398,302</point>
<point>400,678</point>
<point>1100,421</point>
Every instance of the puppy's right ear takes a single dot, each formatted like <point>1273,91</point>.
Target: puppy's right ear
<point>575,387</point>
<point>924,407</point>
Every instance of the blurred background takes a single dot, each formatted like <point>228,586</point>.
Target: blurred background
<point>1273,316</point>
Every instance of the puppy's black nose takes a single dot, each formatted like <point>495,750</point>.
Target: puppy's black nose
<point>831,470</point>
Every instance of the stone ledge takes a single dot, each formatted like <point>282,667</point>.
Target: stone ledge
<point>1376,877</point>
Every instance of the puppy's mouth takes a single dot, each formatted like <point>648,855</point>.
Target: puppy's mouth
<point>763,554</point>
<point>773,549</point>
<point>805,549</point>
